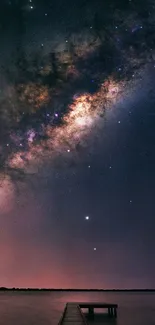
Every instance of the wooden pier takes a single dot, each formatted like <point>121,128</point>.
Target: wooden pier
<point>73,314</point>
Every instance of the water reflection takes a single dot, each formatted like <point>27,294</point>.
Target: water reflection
<point>45,308</point>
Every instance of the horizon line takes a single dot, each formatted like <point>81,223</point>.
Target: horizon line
<point>76,289</point>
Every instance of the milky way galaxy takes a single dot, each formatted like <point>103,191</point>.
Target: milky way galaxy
<point>53,101</point>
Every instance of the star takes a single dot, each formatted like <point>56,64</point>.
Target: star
<point>87,218</point>
<point>94,248</point>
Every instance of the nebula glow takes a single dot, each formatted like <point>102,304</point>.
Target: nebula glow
<point>33,95</point>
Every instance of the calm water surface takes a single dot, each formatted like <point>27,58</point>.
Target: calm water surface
<point>46,308</point>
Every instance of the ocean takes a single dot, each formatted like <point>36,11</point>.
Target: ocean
<point>45,308</point>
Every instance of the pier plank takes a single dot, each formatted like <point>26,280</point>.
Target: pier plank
<point>72,315</point>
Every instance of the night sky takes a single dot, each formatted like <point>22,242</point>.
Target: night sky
<point>77,143</point>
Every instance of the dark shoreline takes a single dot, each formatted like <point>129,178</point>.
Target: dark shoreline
<point>76,290</point>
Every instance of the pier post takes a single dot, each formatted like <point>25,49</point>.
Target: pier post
<point>115,312</point>
<point>91,312</point>
<point>109,311</point>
